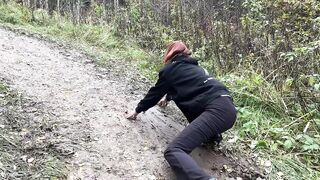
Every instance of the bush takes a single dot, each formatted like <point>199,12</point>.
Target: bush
<point>14,13</point>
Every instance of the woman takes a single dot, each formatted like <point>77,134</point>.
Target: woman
<point>202,99</point>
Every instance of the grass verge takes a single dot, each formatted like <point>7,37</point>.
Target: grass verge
<point>26,143</point>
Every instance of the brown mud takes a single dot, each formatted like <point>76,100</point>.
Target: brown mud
<point>87,104</point>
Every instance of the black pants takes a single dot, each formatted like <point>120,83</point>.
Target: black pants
<point>218,117</point>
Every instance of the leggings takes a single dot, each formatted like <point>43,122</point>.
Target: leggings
<point>218,116</point>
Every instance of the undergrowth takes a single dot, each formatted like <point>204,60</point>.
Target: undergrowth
<point>266,126</point>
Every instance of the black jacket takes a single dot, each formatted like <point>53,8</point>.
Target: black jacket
<point>187,85</point>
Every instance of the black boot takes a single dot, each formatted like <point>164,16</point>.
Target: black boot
<point>215,140</point>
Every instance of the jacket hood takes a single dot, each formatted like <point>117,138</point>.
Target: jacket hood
<point>185,59</point>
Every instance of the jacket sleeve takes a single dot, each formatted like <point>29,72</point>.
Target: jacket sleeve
<point>168,97</point>
<point>154,94</point>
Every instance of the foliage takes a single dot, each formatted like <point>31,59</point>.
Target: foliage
<point>265,125</point>
<point>11,13</point>
<point>280,39</point>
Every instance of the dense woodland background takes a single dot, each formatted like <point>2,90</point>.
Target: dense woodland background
<point>267,52</point>
<point>278,39</point>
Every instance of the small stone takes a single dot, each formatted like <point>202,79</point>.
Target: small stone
<point>152,177</point>
<point>280,174</point>
<point>30,160</point>
<point>24,158</point>
<point>153,148</point>
<point>227,168</point>
<point>267,163</point>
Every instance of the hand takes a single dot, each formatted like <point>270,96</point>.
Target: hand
<point>133,116</point>
<point>163,103</point>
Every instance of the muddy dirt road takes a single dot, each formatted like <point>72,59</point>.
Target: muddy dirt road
<point>88,103</point>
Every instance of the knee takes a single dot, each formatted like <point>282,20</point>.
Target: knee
<point>170,151</point>
<point>167,152</point>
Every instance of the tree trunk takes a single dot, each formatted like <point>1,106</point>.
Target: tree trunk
<point>78,11</point>
<point>58,6</point>
<point>115,5</point>
<point>35,3</point>
<point>47,5</point>
<point>105,7</point>
<point>181,15</point>
<point>71,4</point>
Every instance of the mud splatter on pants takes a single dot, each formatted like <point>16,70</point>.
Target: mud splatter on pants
<point>219,116</point>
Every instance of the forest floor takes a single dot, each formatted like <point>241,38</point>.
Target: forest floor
<point>70,109</point>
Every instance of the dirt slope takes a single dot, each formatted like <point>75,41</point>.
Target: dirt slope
<point>88,103</point>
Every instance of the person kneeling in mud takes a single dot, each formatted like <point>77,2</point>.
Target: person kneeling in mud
<point>202,99</point>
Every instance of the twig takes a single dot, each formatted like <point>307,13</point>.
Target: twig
<point>306,128</point>
<point>299,118</point>
<point>13,144</point>
<point>284,104</point>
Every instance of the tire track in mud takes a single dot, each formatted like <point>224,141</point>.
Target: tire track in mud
<point>89,102</point>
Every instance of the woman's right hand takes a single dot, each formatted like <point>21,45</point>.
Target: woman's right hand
<point>133,116</point>
<point>163,102</point>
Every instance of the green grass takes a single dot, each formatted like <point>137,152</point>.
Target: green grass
<point>275,131</point>
<point>266,125</point>
<point>3,88</point>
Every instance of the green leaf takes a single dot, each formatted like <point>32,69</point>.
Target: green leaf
<point>262,144</point>
<point>311,80</point>
<point>289,82</point>
<point>288,144</point>
<point>274,147</point>
<point>258,144</point>
<point>308,140</point>
<point>276,130</point>
<point>312,147</point>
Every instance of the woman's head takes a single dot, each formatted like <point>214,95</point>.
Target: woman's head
<point>174,49</point>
